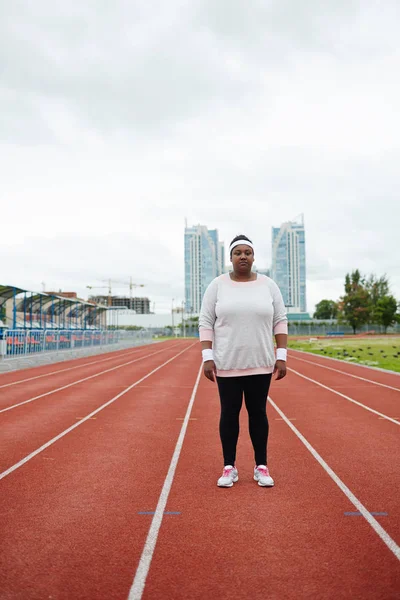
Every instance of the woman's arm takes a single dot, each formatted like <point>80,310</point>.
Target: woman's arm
<point>210,370</point>
<point>280,363</point>
<point>206,329</point>
<point>280,332</point>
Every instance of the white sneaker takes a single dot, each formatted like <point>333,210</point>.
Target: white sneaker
<point>261,474</point>
<point>229,477</point>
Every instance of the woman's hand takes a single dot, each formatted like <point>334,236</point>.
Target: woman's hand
<point>210,370</point>
<point>280,368</point>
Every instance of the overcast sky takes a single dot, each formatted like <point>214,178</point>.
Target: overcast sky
<point>119,119</point>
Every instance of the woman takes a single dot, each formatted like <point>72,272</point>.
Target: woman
<point>240,313</point>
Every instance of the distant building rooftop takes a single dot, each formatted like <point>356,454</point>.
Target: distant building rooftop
<point>299,317</point>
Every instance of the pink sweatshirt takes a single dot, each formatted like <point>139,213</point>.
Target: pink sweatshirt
<point>240,318</point>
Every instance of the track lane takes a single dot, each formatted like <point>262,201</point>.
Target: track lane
<point>9,379</point>
<point>45,384</point>
<point>361,509</point>
<point>71,527</point>
<point>361,448</point>
<point>366,396</point>
<point>379,376</point>
<point>301,543</point>
<point>31,425</point>
<point>382,399</point>
<point>367,380</point>
<point>292,541</point>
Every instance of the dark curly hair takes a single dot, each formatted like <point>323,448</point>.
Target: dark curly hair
<point>239,237</point>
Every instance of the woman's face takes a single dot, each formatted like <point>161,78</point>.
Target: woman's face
<point>242,258</point>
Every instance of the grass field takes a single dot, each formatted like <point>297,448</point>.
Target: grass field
<point>380,351</point>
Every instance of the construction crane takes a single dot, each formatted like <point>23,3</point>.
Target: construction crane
<point>98,287</point>
<point>129,284</point>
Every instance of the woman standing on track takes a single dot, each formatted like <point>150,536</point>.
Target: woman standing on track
<point>240,313</point>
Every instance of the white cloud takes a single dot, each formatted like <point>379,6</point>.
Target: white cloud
<point>118,122</point>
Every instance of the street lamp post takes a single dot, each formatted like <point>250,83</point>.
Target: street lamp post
<point>172,314</point>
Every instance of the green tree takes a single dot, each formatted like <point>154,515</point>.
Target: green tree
<point>355,305</point>
<point>397,315</point>
<point>377,288</point>
<point>326,309</point>
<point>193,320</point>
<point>385,311</point>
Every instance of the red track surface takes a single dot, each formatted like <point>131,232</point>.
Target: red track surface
<point>70,522</point>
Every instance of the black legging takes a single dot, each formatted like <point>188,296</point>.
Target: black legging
<point>255,389</point>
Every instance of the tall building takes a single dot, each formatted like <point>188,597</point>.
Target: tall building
<point>289,263</point>
<point>204,260</point>
<point>221,258</point>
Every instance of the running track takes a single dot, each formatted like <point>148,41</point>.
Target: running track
<point>108,483</point>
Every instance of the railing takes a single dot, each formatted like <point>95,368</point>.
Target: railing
<point>336,329</point>
<point>18,343</point>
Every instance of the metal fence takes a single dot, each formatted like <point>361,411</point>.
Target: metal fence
<point>18,343</point>
<point>297,328</point>
<point>336,329</point>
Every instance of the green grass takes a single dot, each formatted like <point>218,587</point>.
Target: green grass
<point>380,351</point>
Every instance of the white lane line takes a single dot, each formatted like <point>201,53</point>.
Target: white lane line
<point>119,354</point>
<point>344,372</point>
<point>64,387</point>
<point>139,581</point>
<point>346,397</point>
<point>89,416</point>
<point>94,362</point>
<point>382,533</point>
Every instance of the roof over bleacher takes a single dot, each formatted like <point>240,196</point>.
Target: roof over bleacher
<point>31,302</point>
<point>7,292</point>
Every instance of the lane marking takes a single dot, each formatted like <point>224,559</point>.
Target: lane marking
<point>382,533</point>
<point>120,354</point>
<point>315,364</point>
<point>153,512</point>
<point>358,514</point>
<point>282,419</point>
<point>89,416</point>
<point>139,581</point>
<point>346,397</point>
<point>384,418</point>
<point>94,362</point>
<point>354,386</point>
<point>64,387</point>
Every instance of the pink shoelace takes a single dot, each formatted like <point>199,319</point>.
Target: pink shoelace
<point>263,471</point>
<point>227,472</point>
